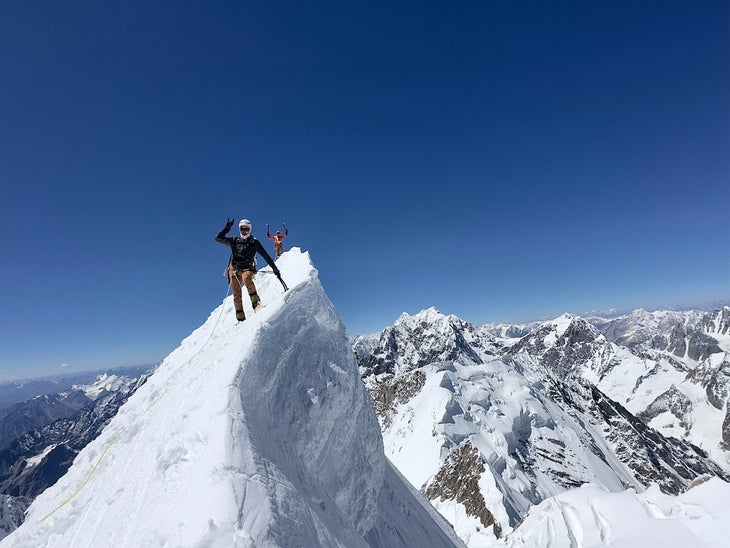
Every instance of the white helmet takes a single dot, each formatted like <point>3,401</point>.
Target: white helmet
<point>244,227</point>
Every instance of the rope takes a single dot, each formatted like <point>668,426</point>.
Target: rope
<point>118,435</point>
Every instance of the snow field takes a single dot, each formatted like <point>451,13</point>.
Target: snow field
<point>593,516</point>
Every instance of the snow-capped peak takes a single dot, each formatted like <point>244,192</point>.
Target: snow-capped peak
<point>429,316</point>
<point>103,384</point>
<point>562,323</point>
<point>257,433</point>
<point>561,334</point>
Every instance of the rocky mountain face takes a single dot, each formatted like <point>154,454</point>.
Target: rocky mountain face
<point>684,358</point>
<point>12,512</point>
<point>37,458</point>
<point>37,412</point>
<point>55,398</point>
<point>681,334</point>
<point>567,346</point>
<point>415,341</point>
<point>487,425</point>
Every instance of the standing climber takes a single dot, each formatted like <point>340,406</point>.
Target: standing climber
<point>242,266</point>
<point>277,239</point>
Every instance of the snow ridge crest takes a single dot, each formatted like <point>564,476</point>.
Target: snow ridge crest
<point>257,433</point>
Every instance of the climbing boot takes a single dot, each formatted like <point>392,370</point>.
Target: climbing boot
<point>240,315</point>
<point>255,301</point>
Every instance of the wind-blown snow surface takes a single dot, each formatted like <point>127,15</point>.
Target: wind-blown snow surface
<point>250,434</point>
<point>592,516</point>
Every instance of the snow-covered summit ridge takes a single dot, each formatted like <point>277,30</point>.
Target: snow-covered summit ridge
<point>248,434</point>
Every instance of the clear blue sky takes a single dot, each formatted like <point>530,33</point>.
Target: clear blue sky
<point>502,161</point>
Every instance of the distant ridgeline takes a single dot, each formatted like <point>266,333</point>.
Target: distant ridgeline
<point>22,390</point>
<point>40,438</point>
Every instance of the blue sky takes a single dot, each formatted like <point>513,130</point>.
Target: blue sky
<point>502,161</point>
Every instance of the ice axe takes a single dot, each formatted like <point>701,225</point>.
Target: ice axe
<point>282,283</point>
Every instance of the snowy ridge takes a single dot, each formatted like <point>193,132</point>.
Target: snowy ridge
<point>250,434</point>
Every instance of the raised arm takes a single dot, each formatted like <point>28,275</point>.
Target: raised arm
<point>221,237</point>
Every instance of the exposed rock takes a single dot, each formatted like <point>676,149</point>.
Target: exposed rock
<point>687,334</point>
<point>698,481</point>
<point>672,401</point>
<point>415,341</point>
<point>39,458</point>
<point>718,322</point>
<point>12,513</point>
<point>670,463</point>
<point>714,375</point>
<point>533,417</point>
<point>687,341</point>
<point>458,480</point>
<point>726,430</point>
<point>37,412</point>
<point>400,390</point>
<point>578,345</point>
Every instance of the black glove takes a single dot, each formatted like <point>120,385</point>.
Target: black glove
<point>229,224</point>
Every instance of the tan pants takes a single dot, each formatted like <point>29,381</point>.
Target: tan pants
<point>240,279</point>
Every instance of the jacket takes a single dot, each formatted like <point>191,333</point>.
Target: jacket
<point>243,251</point>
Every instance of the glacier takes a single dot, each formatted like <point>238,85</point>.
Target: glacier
<point>513,441</point>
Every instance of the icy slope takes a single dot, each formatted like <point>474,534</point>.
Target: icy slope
<point>250,434</point>
<point>592,516</point>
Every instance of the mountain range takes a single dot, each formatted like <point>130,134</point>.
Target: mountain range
<point>490,421</point>
<point>22,390</point>
<point>43,436</point>
<point>282,431</point>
